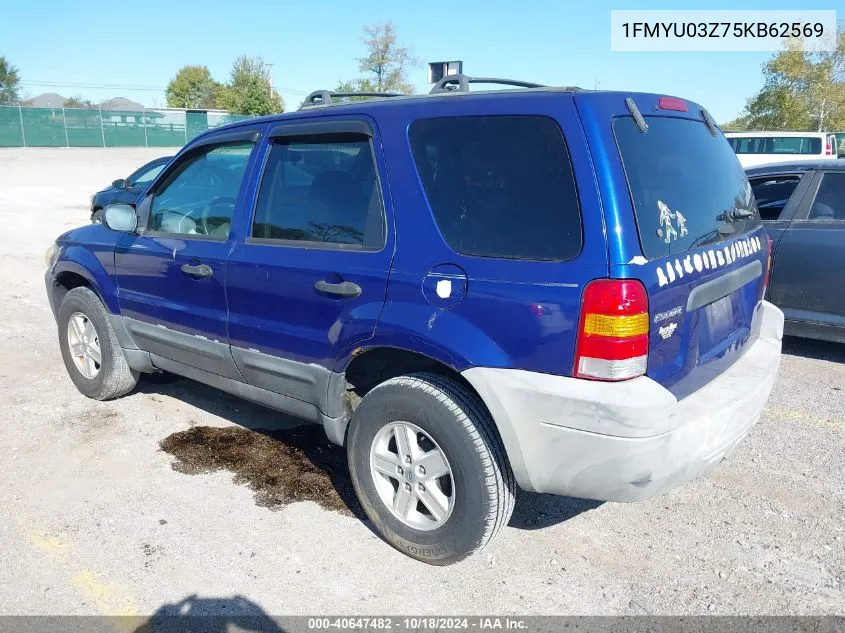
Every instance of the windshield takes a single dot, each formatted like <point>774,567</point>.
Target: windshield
<point>686,185</point>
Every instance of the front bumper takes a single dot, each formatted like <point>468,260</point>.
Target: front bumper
<point>630,440</point>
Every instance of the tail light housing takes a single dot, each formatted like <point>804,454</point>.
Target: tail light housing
<point>613,331</point>
<point>828,150</point>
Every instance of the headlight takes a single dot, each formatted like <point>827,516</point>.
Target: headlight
<point>51,255</point>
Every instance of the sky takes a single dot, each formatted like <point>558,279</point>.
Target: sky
<point>134,49</point>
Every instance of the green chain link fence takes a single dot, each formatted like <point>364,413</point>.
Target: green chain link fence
<point>76,127</point>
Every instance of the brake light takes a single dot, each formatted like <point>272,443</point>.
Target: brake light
<point>828,150</point>
<point>672,103</point>
<point>613,331</point>
<point>768,274</point>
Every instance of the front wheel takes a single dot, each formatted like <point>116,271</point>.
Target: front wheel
<point>429,468</point>
<point>93,358</point>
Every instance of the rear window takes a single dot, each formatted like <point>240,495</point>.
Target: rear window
<point>801,145</point>
<point>682,180</point>
<point>499,186</point>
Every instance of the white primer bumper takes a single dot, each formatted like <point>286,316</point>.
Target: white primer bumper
<point>630,440</point>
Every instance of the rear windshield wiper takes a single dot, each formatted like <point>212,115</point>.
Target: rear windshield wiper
<point>732,215</point>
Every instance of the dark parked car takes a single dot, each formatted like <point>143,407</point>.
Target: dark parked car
<point>802,205</point>
<point>549,288</point>
<point>126,190</point>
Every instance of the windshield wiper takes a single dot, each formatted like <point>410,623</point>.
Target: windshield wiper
<point>732,215</point>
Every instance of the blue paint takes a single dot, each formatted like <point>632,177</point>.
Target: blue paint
<point>500,312</point>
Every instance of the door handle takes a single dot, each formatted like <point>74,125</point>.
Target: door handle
<point>200,270</point>
<point>345,289</point>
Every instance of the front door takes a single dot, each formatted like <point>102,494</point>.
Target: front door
<point>171,276</point>
<point>309,280</point>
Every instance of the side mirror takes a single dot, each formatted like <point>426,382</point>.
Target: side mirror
<point>120,217</point>
<point>120,183</point>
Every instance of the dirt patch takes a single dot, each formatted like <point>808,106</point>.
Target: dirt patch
<point>281,466</point>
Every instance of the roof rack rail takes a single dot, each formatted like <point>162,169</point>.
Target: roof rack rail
<point>460,83</point>
<point>325,97</point>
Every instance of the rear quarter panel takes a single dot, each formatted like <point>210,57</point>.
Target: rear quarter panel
<point>516,313</point>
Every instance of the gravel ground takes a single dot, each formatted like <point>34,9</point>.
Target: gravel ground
<point>96,520</point>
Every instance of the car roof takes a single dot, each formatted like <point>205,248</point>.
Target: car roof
<point>795,166</point>
<point>415,100</point>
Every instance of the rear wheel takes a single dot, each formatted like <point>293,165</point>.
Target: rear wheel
<point>93,358</point>
<point>429,468</point>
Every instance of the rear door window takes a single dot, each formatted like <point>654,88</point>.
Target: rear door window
<point>829,204</point>
<point>323,191</point>
<point>682,181</point>
<point>499,186</point>
<point>772,193</point>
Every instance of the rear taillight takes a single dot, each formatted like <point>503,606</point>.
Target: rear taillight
<point>613,331</point>
<point>768,274</point>
<point>828,150</point>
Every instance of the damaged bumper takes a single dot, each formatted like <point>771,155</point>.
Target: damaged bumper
<point>630,440</point>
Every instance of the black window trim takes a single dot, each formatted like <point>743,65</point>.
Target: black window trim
<point>320,128</point>
<point>286,133</point>
<point>527,260</point>
<point>804,177</point>
<point>250,135</point>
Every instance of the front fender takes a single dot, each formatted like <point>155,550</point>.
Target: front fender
<point>95,266</point>
<point>438,333</point>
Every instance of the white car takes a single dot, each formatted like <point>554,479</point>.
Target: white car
<point>762,148</point>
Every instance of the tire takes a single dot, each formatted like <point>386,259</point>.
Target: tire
<point>112,376</point>
<point>442,414</point>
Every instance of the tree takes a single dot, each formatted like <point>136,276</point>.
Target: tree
<point>801,91</point>
<point>385,66</point>
<point>249,90</point>
<point>192,87</point>
<point>10,83</point>
<point>78,102</point>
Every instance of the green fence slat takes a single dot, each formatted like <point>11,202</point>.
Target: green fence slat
<point>83,128</point>
<point>80,127</point>
<point>43,127</point>
<point>123,128</point>
<point>165,128</point>
<point>11,134</point>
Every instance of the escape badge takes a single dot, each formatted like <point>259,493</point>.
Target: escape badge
<point>667,229</point>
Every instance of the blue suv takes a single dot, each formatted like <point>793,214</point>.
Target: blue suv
<point>473,291</point>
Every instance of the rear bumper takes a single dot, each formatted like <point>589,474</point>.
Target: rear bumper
<point>630,440</point>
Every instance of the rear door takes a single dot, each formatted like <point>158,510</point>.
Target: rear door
<point>687,226</point>
<point>809,266</point>
<point>309,279</point>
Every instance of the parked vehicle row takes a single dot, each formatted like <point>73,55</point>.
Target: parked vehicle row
<point>761,148</point>
<point>548,289</point>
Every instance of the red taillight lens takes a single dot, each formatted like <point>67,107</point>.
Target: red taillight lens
<point>613,331</point>
<point>671,103</point>
<point>768,274</point>
<point>828,150</point>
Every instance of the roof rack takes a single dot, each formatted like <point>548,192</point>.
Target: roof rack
<point>460,83</point>
<point>325,97</point>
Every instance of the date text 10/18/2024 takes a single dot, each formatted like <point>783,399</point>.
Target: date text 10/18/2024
<point>416,623</point>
